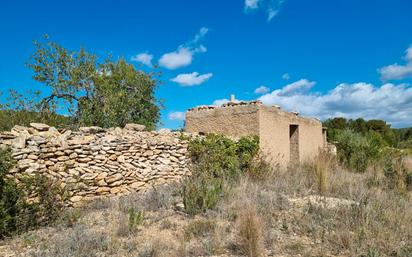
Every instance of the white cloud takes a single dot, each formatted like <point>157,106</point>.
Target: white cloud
<point>176,116</point>
<point>286,76</point>
<point>389,102</point>
<point>408,55</point>
<point>262,90</point>
<point>144,58</point>
<point>179,58</point>
<point>297,86</point>
<point>251,4</point>
<point>270,6</point>
<point>219,102</point>
<point>397,71</point>
<point>200,35</point>
<point>272,13</point>
<point>184,54</point>
<point>191,79</point>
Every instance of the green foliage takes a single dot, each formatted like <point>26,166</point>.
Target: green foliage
<point>400,138</point>
<point>33,202</point>
<point>357,151</point>
<point>106,94</point>
<point>217,162</point>
<point>395,170</point>
<point>22,109</point>
<point>121,95</point>
<point>69,217</point>
<point>136,218</point>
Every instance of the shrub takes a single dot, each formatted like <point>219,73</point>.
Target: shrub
<point>69,217</point>
<point>10,196</point>
<point>322,165</point>
<point>33,202</point>
<point>396,172</point>
<point>157,198</point>
<point>128,223</point>
<point>218,162</point>
<point>250,237</point>
<point>80,241</point>
<point>260,168</point>
<point>200,228</point>
<point>136,218</point>
<point>201,192</point>
<point>357,151</point>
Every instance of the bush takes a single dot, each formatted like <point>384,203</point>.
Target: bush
<point>357,151</point>
<point>218,162</point>
<point>136,218</point>
<point>200,228</point>
<point>322,165</point>
<point>396,172</point>
<point>250,237</point>
<point>34,201</point>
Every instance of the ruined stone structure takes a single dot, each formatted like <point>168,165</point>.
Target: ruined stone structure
<point>285,137</point>
<point>94,162</point>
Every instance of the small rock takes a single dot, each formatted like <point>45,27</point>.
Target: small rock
<point>76,199</point>
<point>137,185</point>
<point>115,190</point>
<point>91,130</point>
<point>101,175</point>
<point>164,131</point>
<point>121,159</point>
<point>33,157</point>
<point>19,142</point>
<point>102,190</point>
<point>40,126</point>
<point>114,178</point>
<point>135,127</point>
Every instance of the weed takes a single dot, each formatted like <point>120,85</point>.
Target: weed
<point>199,228</point>
<point>250,238</point>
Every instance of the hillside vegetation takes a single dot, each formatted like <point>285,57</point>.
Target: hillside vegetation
<point>358,203</point>
<point>234,204</point>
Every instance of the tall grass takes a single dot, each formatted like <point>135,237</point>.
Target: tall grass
<point>250,239</point>
<point>322,165</point>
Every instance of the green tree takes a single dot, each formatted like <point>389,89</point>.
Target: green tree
<point>106,94</point>
<point>120,95</point>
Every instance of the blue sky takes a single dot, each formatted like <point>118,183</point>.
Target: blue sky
<point>324,58</point>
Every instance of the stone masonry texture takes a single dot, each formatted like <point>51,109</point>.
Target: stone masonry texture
<point>95,162</point>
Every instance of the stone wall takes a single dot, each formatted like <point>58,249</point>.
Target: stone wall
<point>94,162</point>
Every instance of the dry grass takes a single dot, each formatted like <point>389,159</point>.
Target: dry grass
<point>249,226</point>
<point>290,213</point>
<point>322,165</point>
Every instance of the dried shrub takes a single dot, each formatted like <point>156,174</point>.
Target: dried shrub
<point>199,228</point>
<point>260,167</point>
<point>322,165</point>
<point>250,239</point>
<point>158,198</point>
<point>80,241</point>
<point>129,223</point>
<point>396,171</point>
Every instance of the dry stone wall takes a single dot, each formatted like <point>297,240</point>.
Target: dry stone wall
<point>95,162</point>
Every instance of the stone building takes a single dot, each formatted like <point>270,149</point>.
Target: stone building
<point>285,137</point>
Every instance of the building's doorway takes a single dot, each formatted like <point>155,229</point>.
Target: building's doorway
<point>294,144</point>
